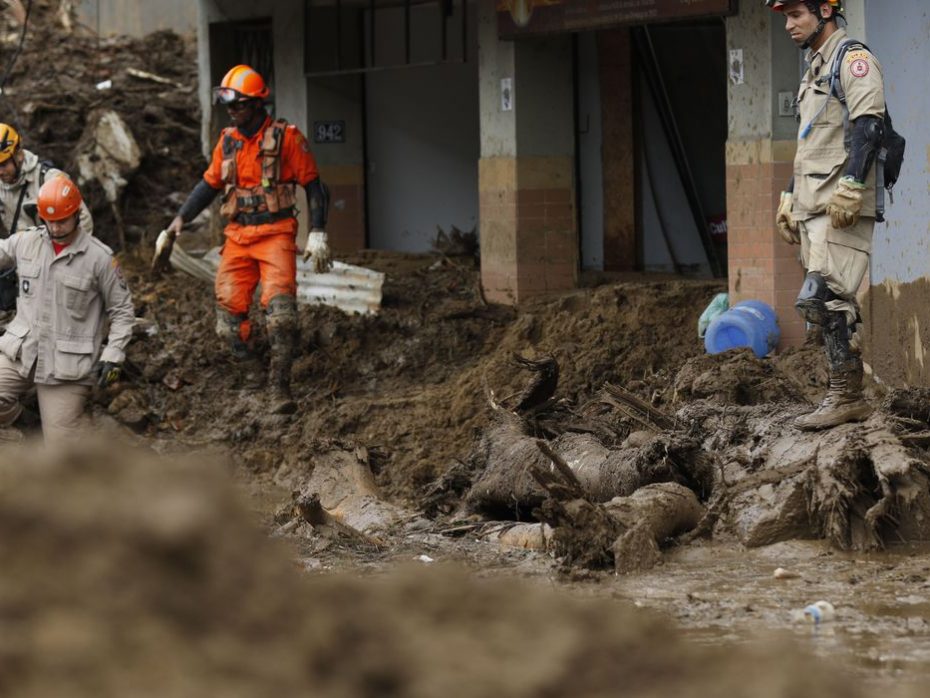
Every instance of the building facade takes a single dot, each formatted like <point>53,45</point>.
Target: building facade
<point>629,136</point>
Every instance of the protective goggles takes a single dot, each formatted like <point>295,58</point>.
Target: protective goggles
<point>227,95</point>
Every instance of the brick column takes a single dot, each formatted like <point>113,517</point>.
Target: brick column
<point>761,265</point>
<point>529,239</point>
<point>346,225</point>
<point>529,235</point>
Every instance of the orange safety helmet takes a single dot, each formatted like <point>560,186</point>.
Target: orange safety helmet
<point>58,198</point>
<point>240,83</point>
<point>9,142</point>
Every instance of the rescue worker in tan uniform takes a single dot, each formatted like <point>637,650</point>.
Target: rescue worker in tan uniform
<point>70,285</point>
<point>257,165</point>
<point>21,176</point>
<point>830,208</point>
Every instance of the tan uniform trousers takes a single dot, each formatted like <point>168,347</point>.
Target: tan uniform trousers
<point>842,266</point>
<point>60,406</point>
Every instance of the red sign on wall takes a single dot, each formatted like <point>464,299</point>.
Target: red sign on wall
<point>526,17</point>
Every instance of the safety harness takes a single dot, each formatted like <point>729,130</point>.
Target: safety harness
<point>270,201</point>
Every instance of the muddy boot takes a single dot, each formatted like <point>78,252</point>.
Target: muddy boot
<point>230,328</point>
<point>282,335</point>
<point>843,402</point>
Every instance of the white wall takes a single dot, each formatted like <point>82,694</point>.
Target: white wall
<point>901,249</point>
<point>137,18</point>
<point>423,138</point>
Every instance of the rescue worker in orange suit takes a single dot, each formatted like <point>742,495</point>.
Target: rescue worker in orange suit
<point>257,165</point>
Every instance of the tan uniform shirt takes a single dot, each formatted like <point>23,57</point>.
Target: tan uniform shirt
<point>821,158</point>
<point>29,181</point>
<point>63,305</point>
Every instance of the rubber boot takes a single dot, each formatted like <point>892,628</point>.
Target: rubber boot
<point>843,402</point>
<point>250,373</point>
<point>282,335</point>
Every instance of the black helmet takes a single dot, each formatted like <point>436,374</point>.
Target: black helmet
<point>779,5</point>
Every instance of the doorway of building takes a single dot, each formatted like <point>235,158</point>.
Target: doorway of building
<point>681,101</point>
<point>651,116</point>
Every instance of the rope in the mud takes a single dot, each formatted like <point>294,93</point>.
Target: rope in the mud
<point>19,49</point>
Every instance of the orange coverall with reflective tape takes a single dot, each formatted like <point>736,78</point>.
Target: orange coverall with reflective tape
<point>264,253</point>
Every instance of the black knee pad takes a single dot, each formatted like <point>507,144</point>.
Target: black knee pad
<point>813,298</point>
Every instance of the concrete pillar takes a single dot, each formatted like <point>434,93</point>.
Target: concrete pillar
<point>615,51</point>
<point>529,237</point>
<point>760,155</point>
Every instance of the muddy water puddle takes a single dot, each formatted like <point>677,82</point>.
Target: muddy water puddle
<point>721,594</point>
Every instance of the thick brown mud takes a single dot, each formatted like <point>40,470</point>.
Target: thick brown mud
<point>417,442</point>
<point>126,575</point>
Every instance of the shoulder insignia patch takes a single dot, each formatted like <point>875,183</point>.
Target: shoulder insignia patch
<point>859,68</point>
<point>119,272</point>
<point>859,55</point>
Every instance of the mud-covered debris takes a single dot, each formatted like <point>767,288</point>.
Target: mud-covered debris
<point>337,488</point>
<point>625,533</point>
<point>52,98</point>
<point>129,576</point>
<point>735,377</point>
<point>541,386</point>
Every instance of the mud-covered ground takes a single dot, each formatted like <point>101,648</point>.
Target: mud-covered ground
<point>408,392</point>
<point>125,575</point>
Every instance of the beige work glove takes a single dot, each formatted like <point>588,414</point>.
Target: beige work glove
<point>318,250</point>
<point>787,226</point>
<point>846,203</point>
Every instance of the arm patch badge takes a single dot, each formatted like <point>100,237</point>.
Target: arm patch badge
<point>859,68</point>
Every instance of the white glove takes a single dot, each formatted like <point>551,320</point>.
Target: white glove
<point>318,249</point>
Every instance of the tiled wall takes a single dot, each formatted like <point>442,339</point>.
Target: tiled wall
<point>761,265</point>
<point>346,225</point>
<point>529,238</point>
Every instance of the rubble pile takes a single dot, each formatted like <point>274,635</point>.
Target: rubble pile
<point>66,74</point>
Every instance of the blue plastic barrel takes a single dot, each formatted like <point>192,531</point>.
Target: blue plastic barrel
<point>750,324</point>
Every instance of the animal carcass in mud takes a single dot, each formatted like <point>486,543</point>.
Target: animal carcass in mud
<point>860,486</point>
<point>608,508</point>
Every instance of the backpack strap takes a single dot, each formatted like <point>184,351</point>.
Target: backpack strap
<point>837,90</point>
<point>44,167</point>
<point>836,87</point>
<point>836,82</point>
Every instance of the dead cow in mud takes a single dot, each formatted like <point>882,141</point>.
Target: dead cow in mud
<point>734,472</point>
